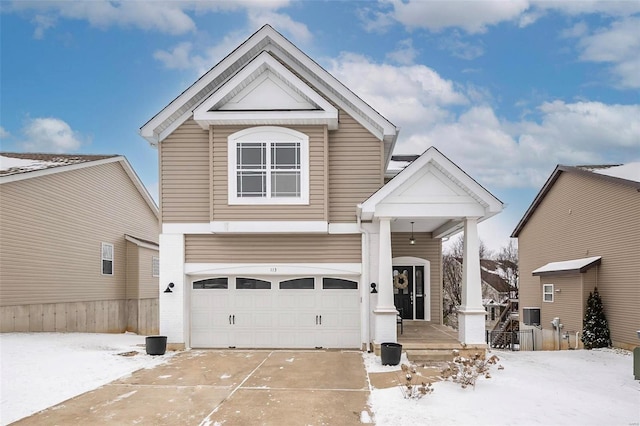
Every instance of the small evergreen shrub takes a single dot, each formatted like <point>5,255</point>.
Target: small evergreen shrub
<point>595,329</point>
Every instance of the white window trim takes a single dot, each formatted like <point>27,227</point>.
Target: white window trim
<point>102,259</point>
<point>545,292</point>
<point>268,134</point>
<point>154,260</point>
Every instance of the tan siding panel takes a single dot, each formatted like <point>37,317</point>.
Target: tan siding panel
<point>584,216</point>
<point>184,174</point>
<point>429,249</point>
<point>133,271</point>
<point>567,302</point>
<point>355,168</point>
<point>313,211</point>
<point>148,284</point>
<point>273,248</point>
<point>52,228</point>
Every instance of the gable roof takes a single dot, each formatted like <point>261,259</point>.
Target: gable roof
<point>16,166</point>
<point>268,40</point>
<point>432,186</point>
<point>625,174</point>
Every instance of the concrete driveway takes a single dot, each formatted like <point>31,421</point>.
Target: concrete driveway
<point>231,387</point>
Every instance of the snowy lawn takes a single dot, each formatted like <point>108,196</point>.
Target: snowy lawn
<point>40,370</point>
<point>546,388</point>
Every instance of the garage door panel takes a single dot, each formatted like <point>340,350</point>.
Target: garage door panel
<point>271,318</point>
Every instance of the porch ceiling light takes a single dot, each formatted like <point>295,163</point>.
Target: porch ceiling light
<point>411,239</point>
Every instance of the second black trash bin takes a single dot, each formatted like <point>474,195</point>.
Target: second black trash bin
<point>390,353</point>
<point>156,345</point>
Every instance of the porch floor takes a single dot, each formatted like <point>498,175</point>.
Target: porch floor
<point>425,341</point>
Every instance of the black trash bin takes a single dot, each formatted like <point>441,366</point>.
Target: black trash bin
<point>390,353</point>
<point>156,345</point>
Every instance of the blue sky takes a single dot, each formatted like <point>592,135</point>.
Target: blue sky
<point>507,90</point>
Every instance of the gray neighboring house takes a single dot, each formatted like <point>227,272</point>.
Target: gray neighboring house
<point>581,231</point>
<point>78,245</point>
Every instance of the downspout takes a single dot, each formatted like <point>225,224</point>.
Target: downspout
<point>365,280</point>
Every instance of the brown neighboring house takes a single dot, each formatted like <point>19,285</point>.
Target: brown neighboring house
<point>78,245</point>
<point>581,231</point>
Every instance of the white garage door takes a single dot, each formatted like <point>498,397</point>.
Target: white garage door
<point>248,312</point>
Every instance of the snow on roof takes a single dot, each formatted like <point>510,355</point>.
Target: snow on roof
<point>575,265</point>
<point>629,171</point>
<point>12,163</point>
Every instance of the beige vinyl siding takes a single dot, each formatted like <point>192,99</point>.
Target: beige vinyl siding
<point>133,270</point>
<point>147,283</point>
<point>429,249</point>
<point>184,175</point>
<point>584,216</point>
<point>317,202</point>
<point>567,303</point>
<point>273,248</point>
<point>355,168</point>
<point>52,228</point>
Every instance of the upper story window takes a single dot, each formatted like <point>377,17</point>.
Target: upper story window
<point>268,165</point>
<point>547,292</point>
<point>155,266</point>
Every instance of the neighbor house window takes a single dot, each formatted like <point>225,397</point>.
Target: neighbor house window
<point>107,259</point>
<point>155,266</point>
<point>531,316</point>
<point>547,292</point>
<point>268,165</point>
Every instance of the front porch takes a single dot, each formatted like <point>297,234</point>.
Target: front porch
<point>426,341</point>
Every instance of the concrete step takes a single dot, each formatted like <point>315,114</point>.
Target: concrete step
<point>429,355</point>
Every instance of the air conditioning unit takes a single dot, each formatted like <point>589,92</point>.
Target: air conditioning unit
<point>531,316</point>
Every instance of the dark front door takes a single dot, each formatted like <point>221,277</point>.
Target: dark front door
<point>403,290</point>
<point>409,291</point>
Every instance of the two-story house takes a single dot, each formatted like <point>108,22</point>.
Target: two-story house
<point>278,229</point>
<point>581,231</point>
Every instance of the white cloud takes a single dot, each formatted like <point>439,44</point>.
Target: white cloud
<point>51,135</point>
<point>404,54</point>
<point>433,111</point>
<point>171,17</point>
<point>472,16</point>
<point>459,48</point>
<point>618,45</point>
<point>414,92</point>
<point>3,133</point>
<point>282,22</point>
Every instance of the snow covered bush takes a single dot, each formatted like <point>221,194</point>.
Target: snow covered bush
<point>595,329</point>
<point>466,370</point>
<point>408,388</point>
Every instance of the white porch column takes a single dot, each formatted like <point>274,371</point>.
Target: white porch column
<point>471,314</point>
<point>385,311</point>
<point>172,305</point>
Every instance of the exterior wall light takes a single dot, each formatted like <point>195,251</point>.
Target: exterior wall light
<point>169,287</point>
<point>411,239</point>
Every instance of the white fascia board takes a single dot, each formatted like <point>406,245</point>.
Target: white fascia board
<point>429,210</point>
<point>148,132</point>
<point>344,228</point>
<point>331,81</point>
<point>273,269</point>
<point>141,243</point>
<point>379,132</point>
<point>259,118</point>
<point>432,155</point>
<point>264,59</point>
<point>186,228</point>
<point>269,227</point>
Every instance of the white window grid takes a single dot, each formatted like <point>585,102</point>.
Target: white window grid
<point>107,256</point>
<point>547,293</point>
<point>155,266</point>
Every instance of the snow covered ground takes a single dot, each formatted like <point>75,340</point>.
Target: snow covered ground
<point>595,387</point>
<point>535,388</point>
<point>39,370</point>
